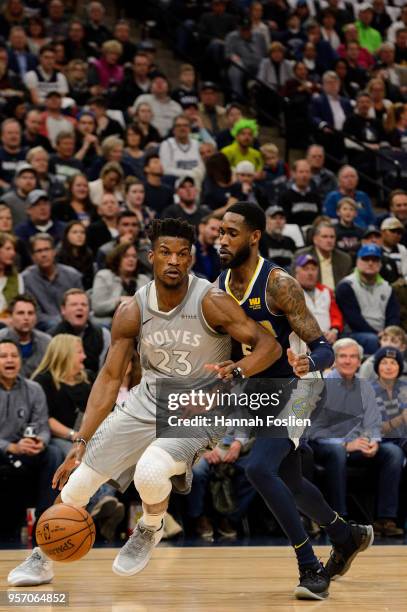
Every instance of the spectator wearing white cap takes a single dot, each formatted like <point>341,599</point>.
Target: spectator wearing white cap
<point>392,231</point>
<point>369,38</point>
<point>245,176</point>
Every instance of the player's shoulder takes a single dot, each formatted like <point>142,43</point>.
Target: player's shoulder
<point>126,320</point>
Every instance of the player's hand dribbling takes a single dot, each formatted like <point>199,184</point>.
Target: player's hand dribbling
<point>299,363</point>
<point>223,370</point>
<point>72,460</point>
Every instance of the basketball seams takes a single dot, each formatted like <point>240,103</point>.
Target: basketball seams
<point>92,536</point>
<point>66,537</point>
<point>58,518</point>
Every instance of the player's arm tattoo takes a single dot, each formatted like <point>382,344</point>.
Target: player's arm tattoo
<point>284,293</point>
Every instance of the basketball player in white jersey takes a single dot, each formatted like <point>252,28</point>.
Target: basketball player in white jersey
<point>181,323</point>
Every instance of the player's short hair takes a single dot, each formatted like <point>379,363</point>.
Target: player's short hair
<point>174,228</point>
<point>253,215</point>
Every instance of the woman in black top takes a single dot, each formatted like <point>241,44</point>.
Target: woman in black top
<point>75,252</point>
<point>67,385</point>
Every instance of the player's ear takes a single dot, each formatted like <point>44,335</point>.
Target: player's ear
<point>256,235</point>
<point>150,256</point>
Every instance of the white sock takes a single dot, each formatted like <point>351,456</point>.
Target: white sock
<point>152,520</point>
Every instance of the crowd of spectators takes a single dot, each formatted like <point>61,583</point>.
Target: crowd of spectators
<point>95,142</point>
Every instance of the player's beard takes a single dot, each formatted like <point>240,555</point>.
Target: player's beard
<point>240,258</point>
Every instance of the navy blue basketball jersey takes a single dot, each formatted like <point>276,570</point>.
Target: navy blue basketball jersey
<point>254,303</point>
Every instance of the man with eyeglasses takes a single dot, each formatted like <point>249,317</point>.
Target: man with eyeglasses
<point>392,231</point>
<point>367,301</point>
<point>47,280</point>
<point>180,154</point>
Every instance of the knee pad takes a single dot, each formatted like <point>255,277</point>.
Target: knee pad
<point>153,472</point>
<point>82,484</point>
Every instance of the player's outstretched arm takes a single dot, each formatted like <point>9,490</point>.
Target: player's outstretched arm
<point>224,314</point>
<point>125,329</point>
<point>285,294</point>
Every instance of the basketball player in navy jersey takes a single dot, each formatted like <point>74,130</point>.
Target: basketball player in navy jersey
<point>273,298</point>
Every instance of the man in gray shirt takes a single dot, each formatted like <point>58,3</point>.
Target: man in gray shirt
<point>32,342</point>
<point>244,47</point>
<point>47,280</point>
<point>347,431</point>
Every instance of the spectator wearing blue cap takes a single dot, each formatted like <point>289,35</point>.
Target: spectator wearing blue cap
<point>366,300</point>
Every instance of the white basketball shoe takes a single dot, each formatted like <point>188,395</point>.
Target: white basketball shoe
<point>136,553</point>
<point>36,569</point>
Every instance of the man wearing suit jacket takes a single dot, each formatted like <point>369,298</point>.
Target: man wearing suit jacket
<point>20,59</point>
<point>333,264</point>
<point>328,112</point>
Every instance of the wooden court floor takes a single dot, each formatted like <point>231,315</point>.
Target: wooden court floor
<point>221,579</point>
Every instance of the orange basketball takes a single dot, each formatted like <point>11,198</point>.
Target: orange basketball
<point>65,533</point>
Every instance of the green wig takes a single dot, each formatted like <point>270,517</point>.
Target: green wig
<point>245,123</point>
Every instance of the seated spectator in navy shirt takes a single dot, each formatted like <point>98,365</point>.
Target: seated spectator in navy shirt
<point>39,213</point>
<point>348,179</point>
<point>207,263</point>
<point>367,301</point>
<point>47,280</point>
<point>11,151</point>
